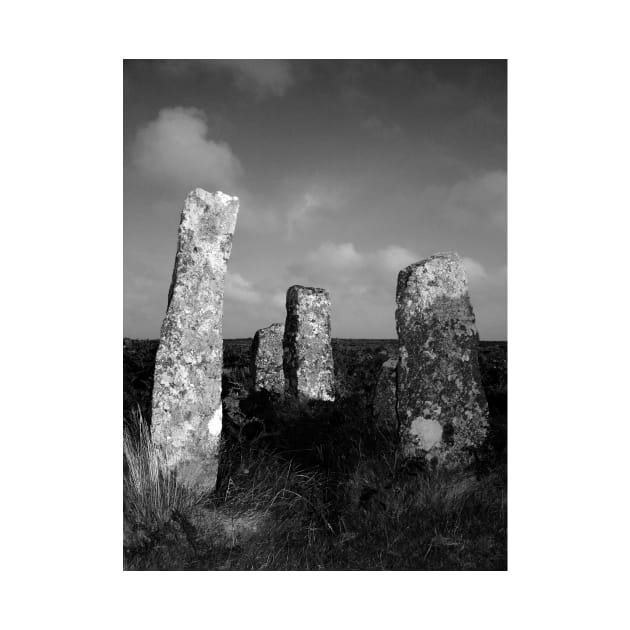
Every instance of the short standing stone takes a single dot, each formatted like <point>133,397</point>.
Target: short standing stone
<point>187,414</point>
<point>308,360</point>
<point>266,360</point>
<point>442,407</point>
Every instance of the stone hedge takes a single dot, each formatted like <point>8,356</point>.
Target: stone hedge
<point>307,358</point>
<point>441,405</point>
<point>186,406</point>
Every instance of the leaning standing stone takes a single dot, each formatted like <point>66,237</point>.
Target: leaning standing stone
<point>266,359</point>
<point>187,413</point>
<point>308,359</point>
<point>442,407</point>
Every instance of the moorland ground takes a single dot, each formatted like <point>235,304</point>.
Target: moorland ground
<point>315,487</point>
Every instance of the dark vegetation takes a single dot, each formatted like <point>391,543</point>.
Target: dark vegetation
<point>315,487</point>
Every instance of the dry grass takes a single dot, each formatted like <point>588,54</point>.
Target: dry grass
<point>151,494</point>
<point>379,516</point>
<point>318,490</point>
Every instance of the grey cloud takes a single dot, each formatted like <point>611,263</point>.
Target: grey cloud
<point>175,149</point>
<point>482,197</point>
<point>239,289</point>
<point>299,143</point>
<point>317,201</point>
<point>260,77</point>
<point>381,129</point>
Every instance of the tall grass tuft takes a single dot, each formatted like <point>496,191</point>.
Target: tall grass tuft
<point>151,493</point>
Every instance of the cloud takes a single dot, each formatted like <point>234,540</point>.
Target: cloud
<point>260,77</point>
<point>335,261</point>
<point>318,201</point>
<point>474,270</point>
<point>337,257</point>
<point>363,284</point>
<point>381,129</point>
<point>395,258</point>
<point>481,198</point>
<point>175,149</point>
<point>279,299</point>
<point>239,289</point>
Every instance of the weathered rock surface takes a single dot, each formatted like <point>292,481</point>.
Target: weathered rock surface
<point>308,360</point>
<point>442,407</point>
<point>186,407</point>
<point>385,396</point>
<point>266,359</point>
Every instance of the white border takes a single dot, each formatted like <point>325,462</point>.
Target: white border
<point>568,135</point>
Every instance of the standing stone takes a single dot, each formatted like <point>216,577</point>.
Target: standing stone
<point>266,359</point>
<point>308,359</point>
<point>442,407</point>
<point>187,412</point>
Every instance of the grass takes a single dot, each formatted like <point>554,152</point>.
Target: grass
<point>151,494</point>
<point>315,488</point>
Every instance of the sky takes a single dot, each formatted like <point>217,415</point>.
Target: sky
<point>347,171</point>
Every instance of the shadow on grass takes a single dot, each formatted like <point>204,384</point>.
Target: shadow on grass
<point>319,486</point>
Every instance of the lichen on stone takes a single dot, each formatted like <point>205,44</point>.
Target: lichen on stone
<point>438,379</point>
<point>307,349</point>
<point>266,360</point>
<point>186,408</point>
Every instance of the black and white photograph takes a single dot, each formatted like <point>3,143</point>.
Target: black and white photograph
<point>317,229</point>
<point>315,315</point>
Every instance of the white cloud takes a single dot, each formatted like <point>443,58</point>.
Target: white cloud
<point>341,262</point>
<point>394,258</point>
<point>474,270</point>
<point>363,284</point>
<point>239,289</point>
<point>367,274</point>
<point>260,77</point>
<point>175,149</point>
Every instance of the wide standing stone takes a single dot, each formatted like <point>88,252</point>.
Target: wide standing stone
<point>187,413</point>
<point>266,359</point>
<point>308,360</point>
<point>442,407</point>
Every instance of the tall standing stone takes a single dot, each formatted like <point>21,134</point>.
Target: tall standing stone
<point>308,360</point>
<point>187,413</point>
<point>442,407</point>
<point>266,359</point>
